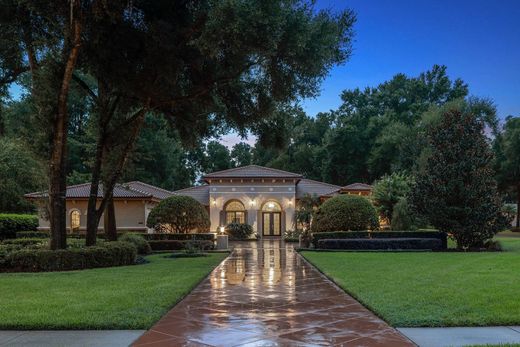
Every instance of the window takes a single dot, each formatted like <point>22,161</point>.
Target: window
<point>75,218</point>
<point>271,206</point>
<point>235,212</point>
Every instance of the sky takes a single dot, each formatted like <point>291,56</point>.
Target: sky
<point>478,41</point>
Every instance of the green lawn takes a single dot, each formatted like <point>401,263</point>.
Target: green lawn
<point>431,289</point>
<point>129,297</point>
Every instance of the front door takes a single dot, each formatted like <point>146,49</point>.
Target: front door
<point>272,223</point>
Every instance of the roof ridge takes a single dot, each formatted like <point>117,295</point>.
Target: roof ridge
<point>122,185</point>
<point>151,186</point>
<point>252,166</point>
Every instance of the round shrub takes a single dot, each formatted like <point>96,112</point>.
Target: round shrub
<point>344,213</point>
<point>179,214</point>
<point>238,231</point>
<point>143,247</point>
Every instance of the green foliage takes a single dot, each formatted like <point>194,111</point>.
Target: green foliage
<point>507,164</point>
<point>21,173</point>
<point>32,234</point>
<point>456,191</point>
<point>105,255</point>
<point>241,154</point>
<point>10,224</point>
<point>316,237</point>
<point>179,214</point>
<point>381,244</point>
<point>142,246</point>
<point>345,212</point>
<point>305,210</point>
<point>402,216</point>
<point>388,190</point>
<point>238,231</point>
<point>180,237</point>
<point>26,242</point>
<point>176,245</point>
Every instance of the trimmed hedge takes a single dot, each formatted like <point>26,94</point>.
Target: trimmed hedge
<point>239,231</point>
<point>32,234</point>
<point>142,246</point>
<point>177,245</point>
<point>10,224</point>
<point>382,244</point>
<point>345,212</point>
<point>179,237</point>
<point>443,237</point>
<point>106,254</point>
<point>24,242</point>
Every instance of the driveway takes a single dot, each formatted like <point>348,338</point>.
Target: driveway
<point>265,294</point>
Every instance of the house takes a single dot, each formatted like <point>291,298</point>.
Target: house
<point>133,201</point>
<point>262,197</point>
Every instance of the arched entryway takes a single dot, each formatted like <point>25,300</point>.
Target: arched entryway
<point>271,218</point>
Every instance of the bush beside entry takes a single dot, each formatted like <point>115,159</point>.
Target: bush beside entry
<point>142,246</point>
<point>179,214</point>
<point>238,231</point>
<point>345,212</point>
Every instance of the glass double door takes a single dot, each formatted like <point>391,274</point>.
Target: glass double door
<point>272,223</point>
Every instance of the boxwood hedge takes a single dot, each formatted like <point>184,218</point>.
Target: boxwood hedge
<point>382,244</point>
<point>10,224</point>
<point>35,260</point>
<point>443,237</point>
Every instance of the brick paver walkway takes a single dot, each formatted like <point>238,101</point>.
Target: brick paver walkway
<point>265,294</point>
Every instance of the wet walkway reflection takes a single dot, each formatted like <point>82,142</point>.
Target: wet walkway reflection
<point>265,294</point>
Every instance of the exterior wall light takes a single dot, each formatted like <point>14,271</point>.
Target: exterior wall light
<point>270,205</point>
<point>252,202</point>
<point>214,202</point>
<point>221,229</point>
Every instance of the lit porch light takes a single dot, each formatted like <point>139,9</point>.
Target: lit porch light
<point>270,205</point>
<point>221,229</point>
<point>214,202</point>
<point>252,202</point>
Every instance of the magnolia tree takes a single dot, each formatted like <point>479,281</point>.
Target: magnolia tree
<point>179,214</point>
<point>456,190</point>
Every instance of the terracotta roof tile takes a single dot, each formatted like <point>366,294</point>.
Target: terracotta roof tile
<point>199,193</point>
<point>306,186</point>
<point>357,186</point>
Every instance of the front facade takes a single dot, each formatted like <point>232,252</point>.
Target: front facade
<point>262,197</point>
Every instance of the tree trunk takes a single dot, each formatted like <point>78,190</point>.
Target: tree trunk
<point>110,221</point>
<point>57,170</point>
<point>94,214</point>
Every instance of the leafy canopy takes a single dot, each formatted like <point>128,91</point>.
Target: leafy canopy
<point>179,214</point>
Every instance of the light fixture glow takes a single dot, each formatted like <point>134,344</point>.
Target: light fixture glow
<point>221,229</point>
<point>270,205</point>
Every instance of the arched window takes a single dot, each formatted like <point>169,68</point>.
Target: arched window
<point>75,220</point>
<point>271,206</point>
<point>235,212</point>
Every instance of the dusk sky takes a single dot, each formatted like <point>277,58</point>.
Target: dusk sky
<point>479,41</point>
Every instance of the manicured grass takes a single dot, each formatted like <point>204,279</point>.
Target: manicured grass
<point>129,297</point>
<point>431,289</point>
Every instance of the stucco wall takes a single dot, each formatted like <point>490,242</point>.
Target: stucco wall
<point>130,214</point>
<point>253,196</point>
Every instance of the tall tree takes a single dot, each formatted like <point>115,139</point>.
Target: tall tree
<point>507,149</point>
<point>241,154</point>
<point>217,157</point>
<point>457,191</point>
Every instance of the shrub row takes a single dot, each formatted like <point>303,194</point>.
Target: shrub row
<point>32,234</point>
<point>142,246</point>
<point>10,224</point>
<point>179,237</point>
<point>382,244</point>
<point>443,237</point>
<point>239,231</point>
<point>36,260</point>
<point>24,242</point>
<point>175,245</point>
